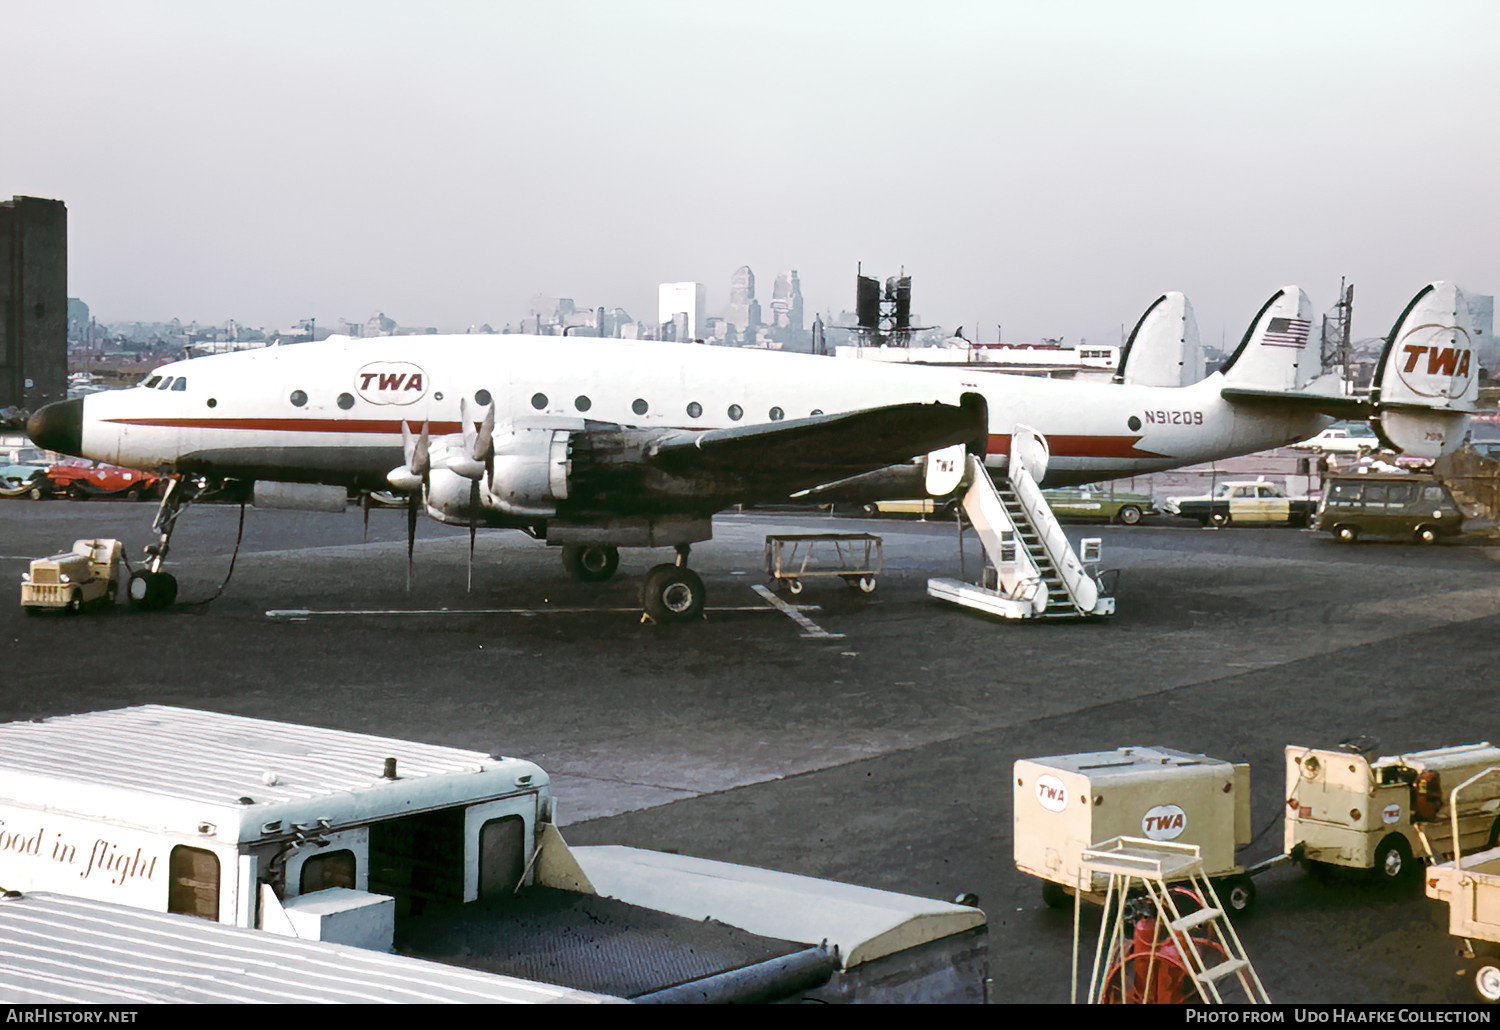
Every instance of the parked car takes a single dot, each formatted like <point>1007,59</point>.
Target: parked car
<point>1342,438</point>
<point>1101,501</point>
<point>923,506</point>
<point>21,471</point>
<point>85,479</point>
<point>1403,505</point>
<point>1249,502</point>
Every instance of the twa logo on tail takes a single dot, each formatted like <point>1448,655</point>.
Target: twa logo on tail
<point>391,382</point>
<point>1436,361</point>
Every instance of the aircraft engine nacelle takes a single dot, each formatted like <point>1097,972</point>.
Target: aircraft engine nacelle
<point>530,470</point>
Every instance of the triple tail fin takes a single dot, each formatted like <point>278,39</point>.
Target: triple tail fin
<point>1163,348</point>
<point>1274,353</point>
<point>1427,383</point>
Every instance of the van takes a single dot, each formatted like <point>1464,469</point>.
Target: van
<point>1403,505</point>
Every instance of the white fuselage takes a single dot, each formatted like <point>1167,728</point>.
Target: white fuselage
<point>332,411</point>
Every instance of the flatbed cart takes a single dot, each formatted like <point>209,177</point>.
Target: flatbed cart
<point>856,558</point>
<point>1470,885</point>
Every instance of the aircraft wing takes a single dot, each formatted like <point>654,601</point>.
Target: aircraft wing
<point>775,459</point>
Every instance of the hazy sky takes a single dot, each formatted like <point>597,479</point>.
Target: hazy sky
<point>1049,166</point>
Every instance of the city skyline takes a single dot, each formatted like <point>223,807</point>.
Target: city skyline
<point>1049,168</point>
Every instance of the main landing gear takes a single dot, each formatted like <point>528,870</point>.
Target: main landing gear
<point>670,592</point>
<point>673,593</point>
<point>151,588</point>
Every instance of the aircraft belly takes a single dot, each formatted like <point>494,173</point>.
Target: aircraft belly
<point>348,463</point>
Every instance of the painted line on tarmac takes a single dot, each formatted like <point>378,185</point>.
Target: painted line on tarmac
<point>303,614</point>
<point>810,630</point>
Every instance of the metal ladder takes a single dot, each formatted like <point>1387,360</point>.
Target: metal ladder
<point>1170,955</point>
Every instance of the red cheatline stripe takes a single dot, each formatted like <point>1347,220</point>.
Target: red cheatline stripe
<point>295,425</point>
<point>1083,447</point>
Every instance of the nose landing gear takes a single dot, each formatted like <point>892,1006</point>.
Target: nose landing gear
<point>151,588</point>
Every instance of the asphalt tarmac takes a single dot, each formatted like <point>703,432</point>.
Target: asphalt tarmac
<point>879,753</point>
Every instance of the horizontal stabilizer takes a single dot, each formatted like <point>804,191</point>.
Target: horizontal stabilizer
<point>1427,383</point>
<point>1275,352</point>
<point>1163,348</point>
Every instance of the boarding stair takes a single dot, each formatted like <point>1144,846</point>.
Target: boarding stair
<point>1031,569</point>
<point>1164,937</point>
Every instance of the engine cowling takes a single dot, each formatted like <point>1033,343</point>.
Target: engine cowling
<point>529,470</point>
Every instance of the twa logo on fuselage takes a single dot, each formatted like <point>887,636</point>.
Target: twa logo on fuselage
<point>1436,361</point>
<point>391,382</point>
<point>1164,822</point>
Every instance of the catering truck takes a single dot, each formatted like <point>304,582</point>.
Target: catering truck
<point>442,853</point>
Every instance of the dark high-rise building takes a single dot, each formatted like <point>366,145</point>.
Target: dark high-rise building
<point>33,302</point>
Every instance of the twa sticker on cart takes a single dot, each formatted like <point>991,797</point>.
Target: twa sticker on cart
<point>1390,814</point>
<point>1164,822</point>
<point>1051,794</point>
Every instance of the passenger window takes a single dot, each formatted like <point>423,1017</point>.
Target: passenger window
<point>332,869</point>
<point>639,406</point>
<point>181,384</point>
<point>298,398</point>
<point>1432,494</point>
<point>193,884</point>
<point>777,414</point>
<point>1345,493</point>
<point>694,410</point>
<point>539,401</point>
<point>582,403</point>
<point>736,412</point>
<point>346,401</point>
<point>482,398</point>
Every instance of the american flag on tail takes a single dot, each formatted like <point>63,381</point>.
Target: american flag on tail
<point>1288,332</point>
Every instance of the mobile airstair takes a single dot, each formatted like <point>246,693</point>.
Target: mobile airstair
<point>1031,570</point>
<point>1164,937</point>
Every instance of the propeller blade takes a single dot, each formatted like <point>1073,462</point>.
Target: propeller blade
<point>484,449</point>
<point>411,534</point>
<point>473,525</point>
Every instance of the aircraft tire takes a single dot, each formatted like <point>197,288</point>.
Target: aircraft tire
<point>672,593</point>
<point>152,591</point>
<point>591,563</point>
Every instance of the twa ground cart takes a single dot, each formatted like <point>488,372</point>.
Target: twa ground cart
<point>1066,804</point>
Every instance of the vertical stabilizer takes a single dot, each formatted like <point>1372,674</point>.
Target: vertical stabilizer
<point>1277,351</point>
<point>1163,348</point>
<point>1427,383</point>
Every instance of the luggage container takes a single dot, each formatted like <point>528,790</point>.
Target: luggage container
<point>1470,885</point>
<point>1067,804</point>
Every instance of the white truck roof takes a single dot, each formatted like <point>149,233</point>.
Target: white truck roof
<point>230,777</point>
<point>61,950</point>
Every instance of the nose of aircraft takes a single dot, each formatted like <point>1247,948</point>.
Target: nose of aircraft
<point>58,426</point>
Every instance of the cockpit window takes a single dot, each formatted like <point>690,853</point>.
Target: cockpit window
<point>181,383</point>
<point>150,384</point>
<point>166,383</point>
